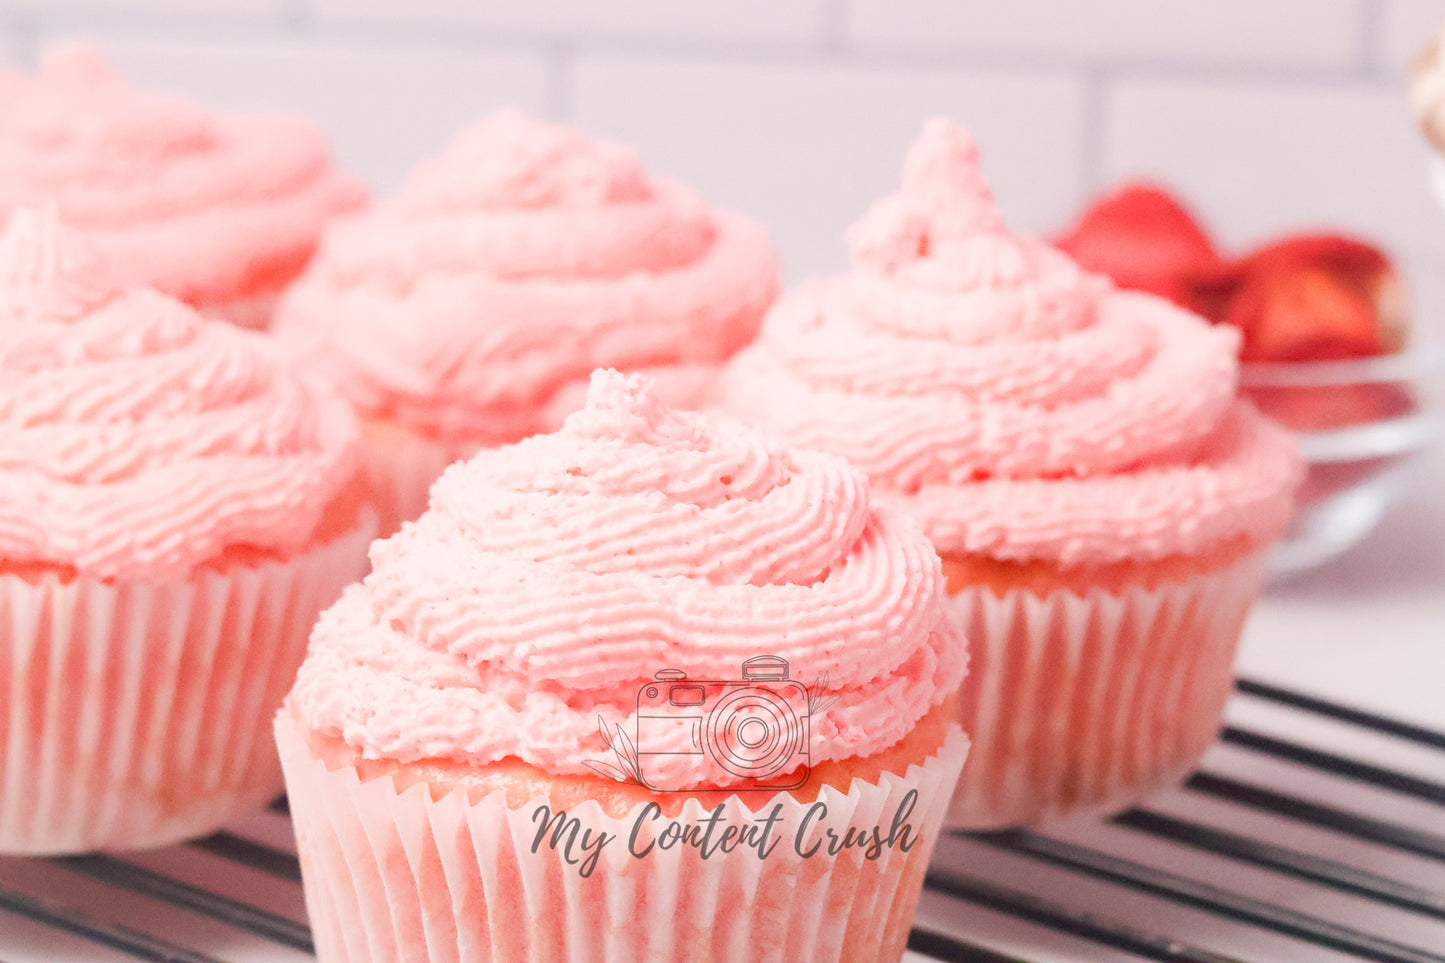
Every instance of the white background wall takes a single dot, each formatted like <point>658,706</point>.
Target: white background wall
<point>1270,115</point>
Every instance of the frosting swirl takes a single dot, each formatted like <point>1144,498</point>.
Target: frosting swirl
<point>511,266</point>
<point>138,439</point>
<point>202,206</point>
<point>549,580</point>
<point>1018,406</point>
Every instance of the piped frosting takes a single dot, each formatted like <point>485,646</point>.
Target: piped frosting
<point>550,580</point>
<point>1017,405</point>
<point>512,265</point>
<point>203,206</point>
<point>137,439</point>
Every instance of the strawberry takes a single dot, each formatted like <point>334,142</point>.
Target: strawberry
<point>1308,297</point>
<point>1335,252</point>
<point>1144,239</point>
<point>1348,286</point>
<point>1302,312</point>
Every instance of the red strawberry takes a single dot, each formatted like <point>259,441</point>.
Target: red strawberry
<point>1144,239</point>
<point>1344,289</point>
<point>1303,313</point>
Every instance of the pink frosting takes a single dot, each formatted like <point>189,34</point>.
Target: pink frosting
<point>509,268</point>
<point>138,439</point>
<point>202,206</point>
<point>551,579</point>
<point>1018,406</point>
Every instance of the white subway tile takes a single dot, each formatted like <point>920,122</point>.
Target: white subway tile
<point>1408,25</point>
<point>81,14</point>
<point>1259,160</point>
<point>1255,31</point>
<point>1426,274</point>
<point>383,108</point>
<point>765,20</point>
<point>807,149</point>
<point>13,52</point>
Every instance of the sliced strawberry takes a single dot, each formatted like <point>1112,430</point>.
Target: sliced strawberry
<point>1336,252</point>
<point>1303,314</point>
<point>1145,239</point>
<point>1361,267</point>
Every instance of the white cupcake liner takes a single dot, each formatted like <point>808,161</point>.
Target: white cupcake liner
<point>399,876</point>
<point>1086,703</point>
<point>136,714</point>
<point>399,466</point>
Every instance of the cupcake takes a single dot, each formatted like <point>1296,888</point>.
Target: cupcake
<point>469,311</point>
<point>221,211</point>
<point>1101,499</point>
<point>176,507</point>
<point>651,688</point>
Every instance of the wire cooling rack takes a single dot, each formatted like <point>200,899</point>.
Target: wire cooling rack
<point>1310,832</point>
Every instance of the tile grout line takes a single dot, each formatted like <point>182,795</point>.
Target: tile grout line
<point>831,44</point>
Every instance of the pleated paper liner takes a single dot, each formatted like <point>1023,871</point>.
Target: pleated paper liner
<point>136,714</point>
<point>400,466</point>
<point>1085,703</point>
<point>399,876</point>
